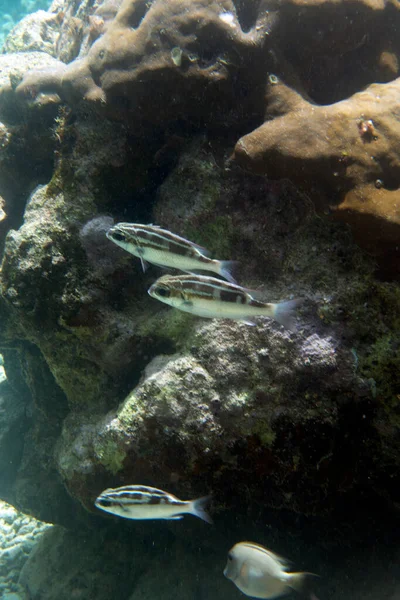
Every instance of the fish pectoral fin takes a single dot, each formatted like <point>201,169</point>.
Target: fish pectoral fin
<point>201,249</point>
<point>122,507</point>
<point>187,303</point>
<point>144,264</point>
<point>255,573</point>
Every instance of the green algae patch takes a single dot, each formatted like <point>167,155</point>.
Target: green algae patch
<point>381,363</point>
<point>110,454</point>
<point>131,410</point>
<point>265,433</point>
<point>215,234</point>
<point>170,325</point>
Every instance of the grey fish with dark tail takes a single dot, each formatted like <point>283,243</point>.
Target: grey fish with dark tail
<point>160,247</point>
<point>144,502</point>
<point>213,298</point>
<point>260,573</point>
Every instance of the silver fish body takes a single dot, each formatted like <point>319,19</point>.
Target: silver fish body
<point>144,502</point>
<point>260,573</point>
<point>213,298</point>
<point>163,248</point>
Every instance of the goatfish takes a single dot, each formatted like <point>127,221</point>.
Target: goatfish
<point>160,247</point>
<point>213,298</point>
<point>260,573</point>
<point>143,502</point>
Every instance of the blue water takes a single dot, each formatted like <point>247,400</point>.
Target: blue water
<point>12,11</point>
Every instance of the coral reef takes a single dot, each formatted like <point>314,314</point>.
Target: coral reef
<point>119,389</point>
<point>36,32</point>
<point>157,59</point>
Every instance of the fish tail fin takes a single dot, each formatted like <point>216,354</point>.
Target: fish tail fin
<point>225,269</point>
<point>284,313</point>
<point>300,582</point>
<point>198,509</point>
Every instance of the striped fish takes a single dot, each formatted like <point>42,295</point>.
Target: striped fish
<point>160,247</point>
<point>214,298</point>
<point>143,502</point>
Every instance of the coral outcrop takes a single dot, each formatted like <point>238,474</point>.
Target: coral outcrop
<point>157,59</point>
<point>350,150</point>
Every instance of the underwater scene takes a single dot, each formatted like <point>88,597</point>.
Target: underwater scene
<point>199,299</point>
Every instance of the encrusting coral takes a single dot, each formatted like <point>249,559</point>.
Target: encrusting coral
<point>350,149</point>
<point>148,63</point>
<point>169,47</point>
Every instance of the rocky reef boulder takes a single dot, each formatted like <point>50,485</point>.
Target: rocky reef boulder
<point>257,409</point>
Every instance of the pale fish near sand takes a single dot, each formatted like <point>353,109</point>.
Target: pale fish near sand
<point>213,298</point>
<point>144,502</point>
<point>160,247</point>
<point>260,573</point>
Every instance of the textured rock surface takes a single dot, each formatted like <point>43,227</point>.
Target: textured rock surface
<point>38,31</point>
<point>219,415</point>
<point>13,425</point>
<point>26,139</point>
<point>19,535</point>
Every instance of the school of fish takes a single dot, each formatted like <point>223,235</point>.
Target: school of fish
<point>255,570</point>
<point>200,295</point>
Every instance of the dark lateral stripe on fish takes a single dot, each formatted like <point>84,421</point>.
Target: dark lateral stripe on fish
<point>258,304</point>
<point>134,499</point>
<point>136,488</point>
<point>210,290</point>
<point>141,488</point>
<point>232,296</point>
<point>142,495</point>
<point>160,240</point>
<point>193,281</point>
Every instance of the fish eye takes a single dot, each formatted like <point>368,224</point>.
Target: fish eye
<point>230,556</point>
<point>118,236</point>
<point>163,292</point>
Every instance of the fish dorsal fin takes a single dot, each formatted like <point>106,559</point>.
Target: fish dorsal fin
<point>255,294</point>
<point>197,247</point>
<point>282,561</point>
<point>201,249</point>
<point>146,489</point>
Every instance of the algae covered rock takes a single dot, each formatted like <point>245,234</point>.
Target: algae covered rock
<point>244,403</point>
